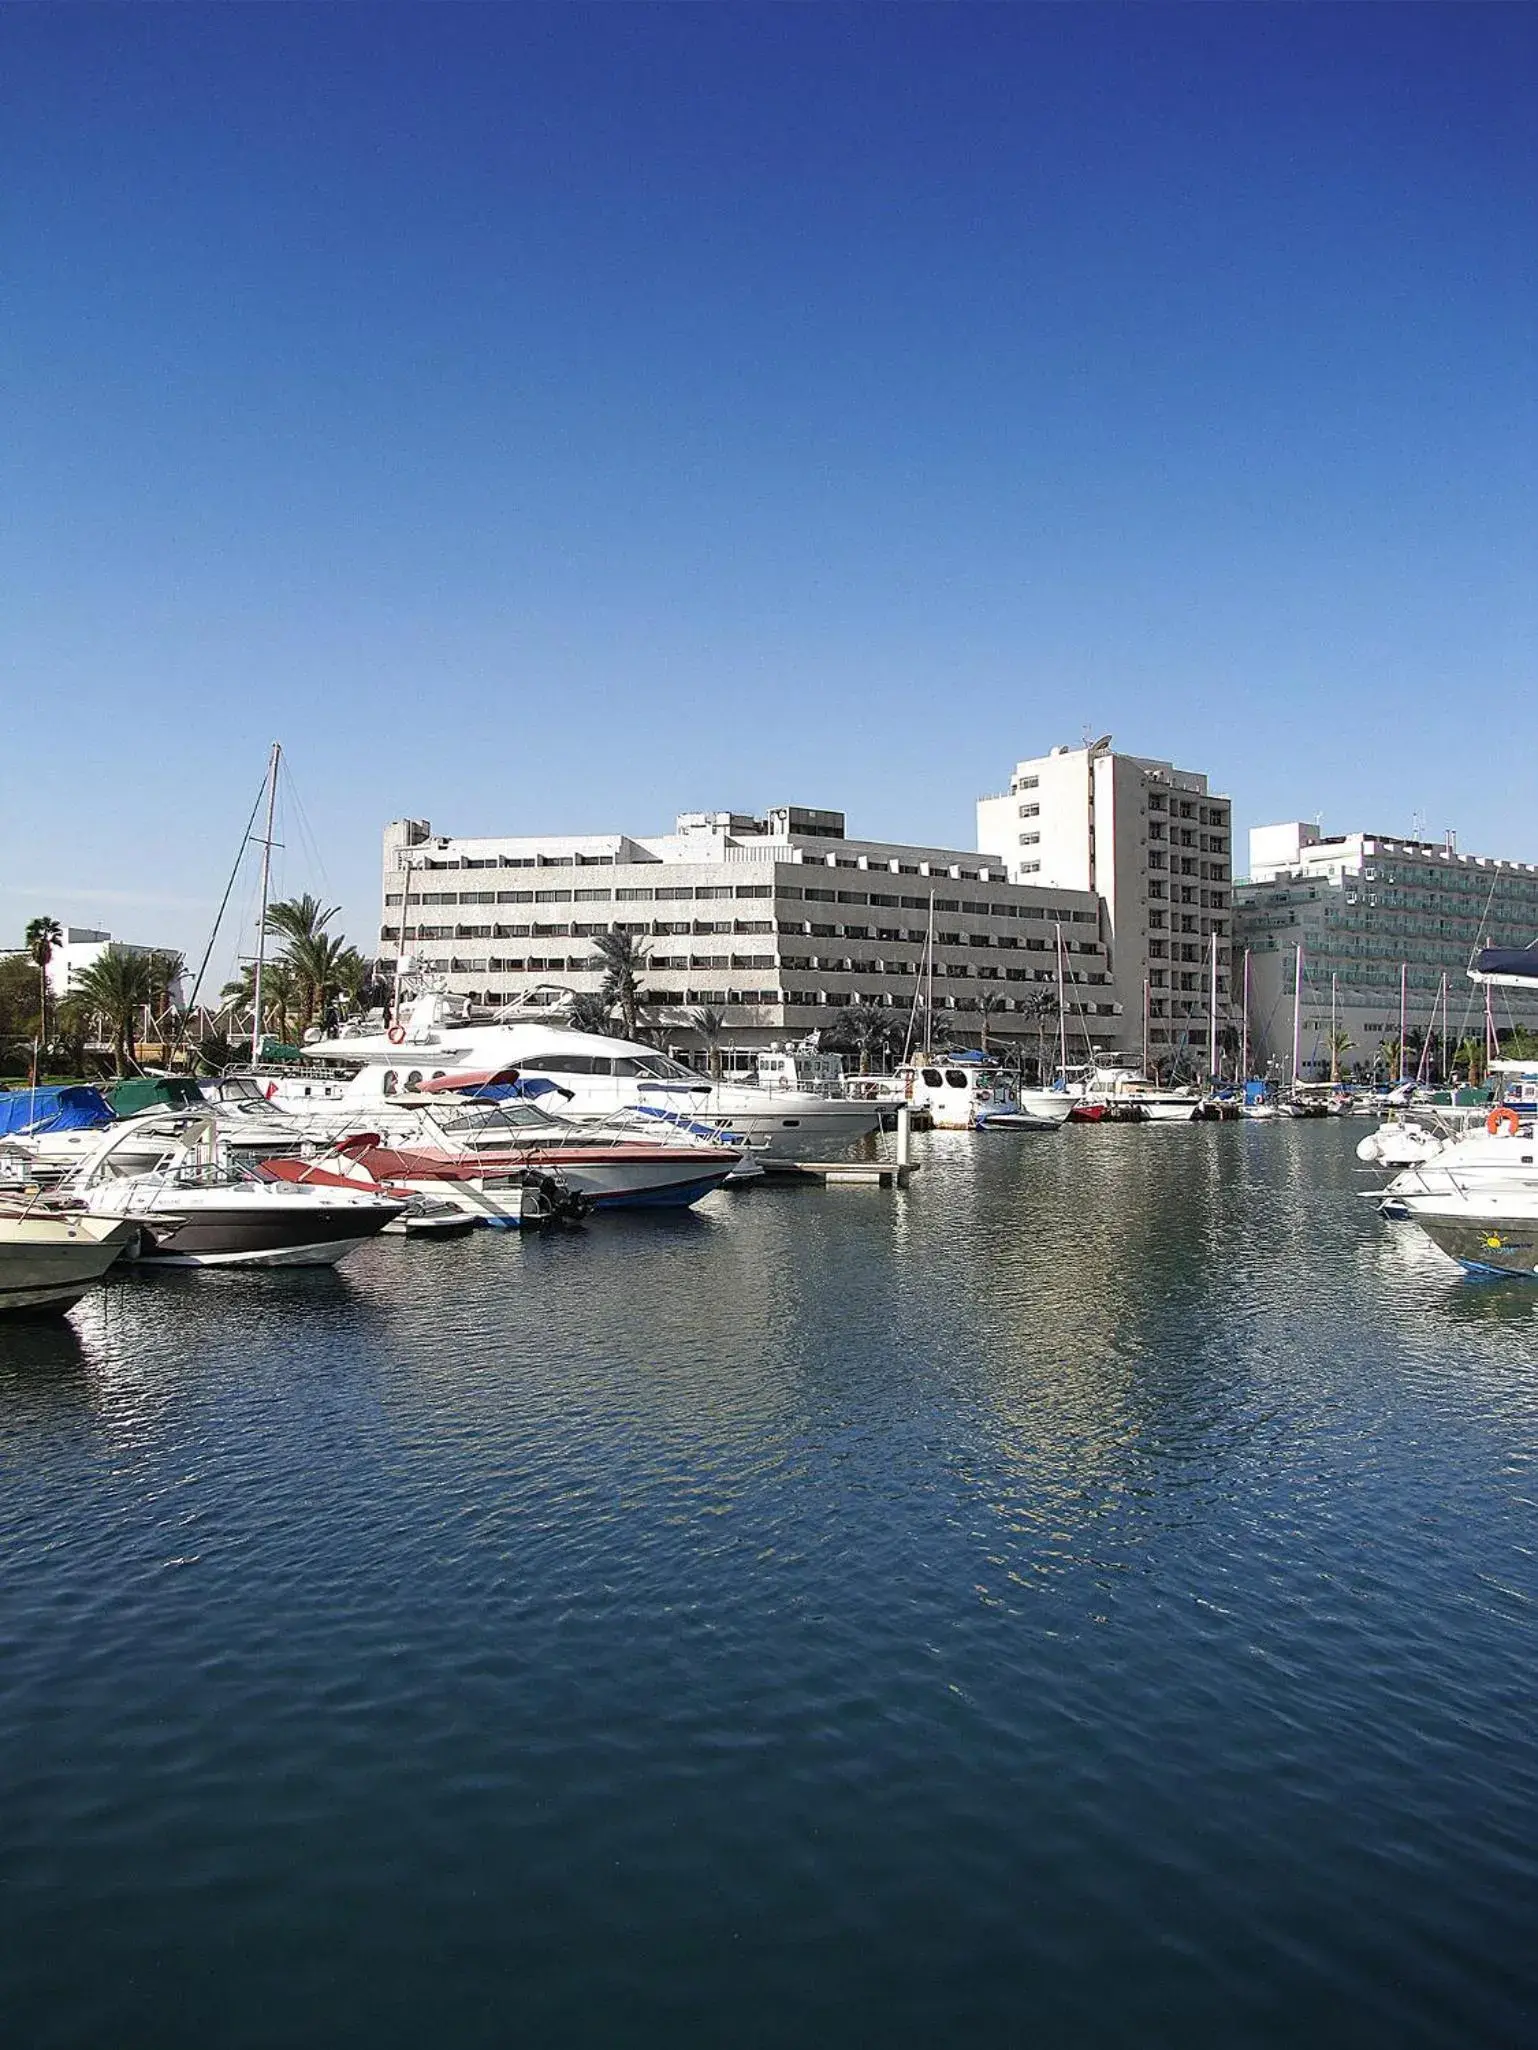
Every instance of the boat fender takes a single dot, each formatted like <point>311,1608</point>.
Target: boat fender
<point>1503,1118</point>
<point>270,1091</point>
<point>396,1034</point>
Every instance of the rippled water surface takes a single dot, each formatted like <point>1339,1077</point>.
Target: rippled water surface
<point>1087,1599</point>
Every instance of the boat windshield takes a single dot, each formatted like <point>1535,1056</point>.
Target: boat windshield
<point>235,1089</point>
<point>494,1117</point>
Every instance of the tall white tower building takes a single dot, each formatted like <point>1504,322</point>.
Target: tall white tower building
<point>1156,847</point>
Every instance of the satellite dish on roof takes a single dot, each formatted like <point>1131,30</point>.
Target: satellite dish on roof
<point>1098,747</point>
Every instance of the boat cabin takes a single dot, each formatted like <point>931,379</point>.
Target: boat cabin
<point>799,1067</point>
<point>958,1095</point>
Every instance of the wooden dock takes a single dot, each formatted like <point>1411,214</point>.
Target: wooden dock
<point>877,1174</point>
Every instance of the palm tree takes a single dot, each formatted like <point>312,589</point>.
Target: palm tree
<point>117,985</point>
<point>1340,1043</point>
<point>73,1019</point>
<point>317,965</point>
<point>311,952</point>
<point>989,1002</point>
<point>1042,1005</point>
<point>43,935</point>
<point>1470,1055</point>
<point>279,989</point>
<point>711,1026</point>
<point>866,1030</point>
<point>587,1012</point>
<point>299,918</point>
<point>624,959</point>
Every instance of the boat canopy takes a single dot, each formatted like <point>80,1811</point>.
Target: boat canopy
<point>1510,965</point>
<point>154,1092</point>
<point>66,1107</point>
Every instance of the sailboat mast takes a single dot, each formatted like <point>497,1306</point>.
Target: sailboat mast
<point>261,916</point>
<point>1062,1009</point>
<point>400,951</point>
<point>1212,1022</point>
<point>1297,1014</point>
<point>1334,1040</point>
<point>1244,1029</point>
<point>1145,1024</point>
<point>1404,1018</point>
<point>929,999</point>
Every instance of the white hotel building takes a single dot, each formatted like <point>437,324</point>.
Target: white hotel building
<point>1156,846</point>
<point>1363,906</point>
<point>778,921</point>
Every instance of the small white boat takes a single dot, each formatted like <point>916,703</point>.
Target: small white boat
<point>50,1257</point>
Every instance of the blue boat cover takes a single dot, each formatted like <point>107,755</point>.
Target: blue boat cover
<point>499,1092</point>
<point>69,1107</point>
<point>1508,961</point>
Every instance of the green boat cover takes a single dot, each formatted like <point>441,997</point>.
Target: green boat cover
<point>153,1092</point>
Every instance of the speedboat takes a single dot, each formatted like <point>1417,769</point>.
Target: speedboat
<point>443,1202</point>
<point>612,1173</point>
<point>199,1208</point>
<point>1477,1198</point>
<point>474,1133</point>
<point>433,1038</point>
<point>50,1256</point>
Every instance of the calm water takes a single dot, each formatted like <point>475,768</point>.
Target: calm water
<point>1088,1600</point>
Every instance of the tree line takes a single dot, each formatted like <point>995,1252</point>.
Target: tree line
<point>103,1012</point>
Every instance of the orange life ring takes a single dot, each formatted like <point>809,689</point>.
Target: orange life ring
<point>396,1034</point>
<point>1503,1117</point>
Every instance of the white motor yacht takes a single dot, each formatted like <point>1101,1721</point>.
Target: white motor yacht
<point>601,1074</point>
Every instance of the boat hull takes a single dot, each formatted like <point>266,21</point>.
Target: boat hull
<point>1486,1245</point>
<point>611,1177</point>
<point>238,1235</point>
<point>47,1264</point>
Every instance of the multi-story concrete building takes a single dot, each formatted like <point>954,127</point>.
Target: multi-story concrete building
<point>1156,847</point>
<point>1365,906</point>
<point>780,922</point>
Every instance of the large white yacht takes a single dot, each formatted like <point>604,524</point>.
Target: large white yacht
<point>598,1076</point>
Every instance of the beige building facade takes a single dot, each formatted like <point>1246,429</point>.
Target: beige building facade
<point>780,921</point>
<point>1155,846</point>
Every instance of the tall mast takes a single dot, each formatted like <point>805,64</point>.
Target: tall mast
<point>1297,1015</point>
<point>261,916</point>
<point>929,999</point>
<point>1212,1022</point>
<point>1062,1009</point>
<point>1145,1024</point>
<point>1404,1019</point>
<point>1244,1030</point>
<point>1334,1043</point>
<point>400,950</point>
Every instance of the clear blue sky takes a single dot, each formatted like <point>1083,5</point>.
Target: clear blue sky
<point>553,418</point>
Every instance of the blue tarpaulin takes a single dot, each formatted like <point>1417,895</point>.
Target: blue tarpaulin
<point>1519,961</point>
<point>67,1108</point>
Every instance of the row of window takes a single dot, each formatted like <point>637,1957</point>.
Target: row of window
<point>701,893</point>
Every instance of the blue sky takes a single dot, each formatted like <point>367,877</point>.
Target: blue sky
<point>553,418</point>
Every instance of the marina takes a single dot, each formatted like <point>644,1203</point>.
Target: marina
<point>1092,1585</point>
<point>769,1029</point>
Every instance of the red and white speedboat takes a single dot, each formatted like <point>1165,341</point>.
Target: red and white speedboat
<point>612,1174</point>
